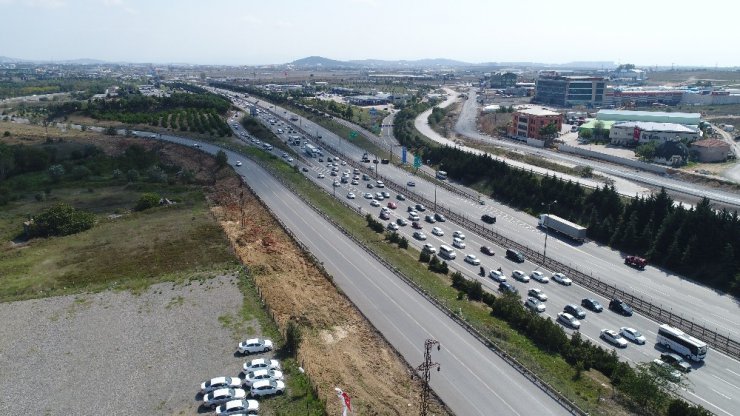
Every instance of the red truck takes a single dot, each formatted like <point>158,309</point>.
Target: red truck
<point>636,262</point>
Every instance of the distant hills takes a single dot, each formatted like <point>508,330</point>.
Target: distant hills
<point>81,61</point>
<point>437,63</point>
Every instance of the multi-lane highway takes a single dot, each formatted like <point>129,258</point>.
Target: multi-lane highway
<point>472,380</point>
<point>713,384</point>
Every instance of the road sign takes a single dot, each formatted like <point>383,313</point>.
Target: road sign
<point>403,155</point>
<point>352,134</point>
<point>417,161</point>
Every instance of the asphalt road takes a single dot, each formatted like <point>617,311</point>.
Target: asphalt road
<point>472,380</point>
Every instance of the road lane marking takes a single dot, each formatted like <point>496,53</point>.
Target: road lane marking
<point>725,381</point>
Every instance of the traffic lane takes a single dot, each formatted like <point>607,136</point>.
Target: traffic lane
<point>379,293</point>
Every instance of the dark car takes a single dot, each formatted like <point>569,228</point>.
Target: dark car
<point>514,255</point>
<point>620,307</point>
<point>507,287</point>
<point>429,219</point>
<point>488,219</point>
<point>676,361</point>
<point>592,305</point>
<point>420,208</point>
<point>305,169</point>
<point>440,217</point>
<point>575,310</point>
<point>486,250</point>
<point>416,225</point>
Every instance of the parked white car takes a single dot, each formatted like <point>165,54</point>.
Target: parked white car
<point>255,345</point>
<point>221,396</point>
<point>260,364</point>
<point>238,407</point>
<point>255,376</point>
<point>267,388</point>
<point>220,383</point>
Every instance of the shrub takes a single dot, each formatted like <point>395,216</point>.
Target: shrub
<point>293,338</point>
<point>80,172</point>
<point>146,201</point>
<point>56,172</point>
<point>61,220</point>
<point>403,243</point>
<point>132,175</point>
<point>424,256</point>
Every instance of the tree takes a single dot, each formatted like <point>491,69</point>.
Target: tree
<point>599,131</point>
<point>56,172</point>
<point>293,338</point>
<point>147,200</point>
<point>80,172</point>
<point>132,175</point>
<point>586,134</point>
<point>61,220</point>
<point>221,159</point>
<point>646,151</point>
<point>549,131</point>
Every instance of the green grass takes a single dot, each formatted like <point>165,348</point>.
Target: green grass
<point>552,368</point>
<point>129,252</point>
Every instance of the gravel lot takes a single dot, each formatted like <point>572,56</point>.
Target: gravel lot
<point>117,353</point>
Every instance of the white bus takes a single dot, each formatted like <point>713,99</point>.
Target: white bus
<point>447,252</point>
<point>682,343</point>
<point>442,175</point>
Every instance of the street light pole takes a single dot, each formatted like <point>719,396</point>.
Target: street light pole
<point>435,197</point>
<point>544,252</point>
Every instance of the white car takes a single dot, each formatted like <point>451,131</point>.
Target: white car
<point>537,293</point>
<point>632,335</point>
<point>497,276</point>
<point>611,336</point>
<point>220,383</point>
<point>438,232</point>
<point>538,276</point>
<point>355,182</point>
<point>458,234</point>
<point>221,396</point>
<point>392,226</point>
<point>351,195</point>
<point>290,159</point>
<point>569,320</point>
<point>414,216</point>
<point>238,163</point>
<point>379,184</point>
<point>534,304</point>
<point>255,345</point>
<point>267,388</point>
<point>456,242</point>
<point>255,376</point>
<point>520,276</point>
<point>336,184</point>
<point>375,203</point>
<point>367,195</point>
<point>379,196</point>
<point>420,236</point>
<point>470,258</point>
<point>429,248</point>
<point>562,279</point>
<point>321,176</point>
<point>238,407</point>
<point>260,364</point>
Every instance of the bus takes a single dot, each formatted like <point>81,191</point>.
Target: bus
<point>441,175</point>
<point>312,150</point>
<point>682,343</point>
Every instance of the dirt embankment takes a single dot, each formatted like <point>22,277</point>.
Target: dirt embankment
<point>339,347</point>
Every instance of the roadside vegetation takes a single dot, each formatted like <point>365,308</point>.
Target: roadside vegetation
<point>588,374</point>
<point>83,88</point>
<point>442,120</point>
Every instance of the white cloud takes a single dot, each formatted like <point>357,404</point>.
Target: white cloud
<point>371,3</point>
<point>47,4</point>
<point>121,4</point>
<point>283,24</point>
<point>250,19</point>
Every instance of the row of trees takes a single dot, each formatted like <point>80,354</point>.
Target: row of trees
<point>403,126</point>
<point>699,242</point>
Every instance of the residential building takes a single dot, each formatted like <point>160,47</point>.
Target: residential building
<point>710,150</point>
<point>633,133</point>
<point>527,122</point>
<point>568,91</point>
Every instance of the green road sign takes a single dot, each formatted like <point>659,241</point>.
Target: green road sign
<point>417,161</point>
<point>352,134</point>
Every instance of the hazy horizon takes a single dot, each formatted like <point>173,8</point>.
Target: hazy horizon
<point>244,32</point>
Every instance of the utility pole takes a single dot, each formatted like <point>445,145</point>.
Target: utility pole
<point>544,252</point>
<point>424,368</point>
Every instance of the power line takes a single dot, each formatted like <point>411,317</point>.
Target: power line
<point>424,368</point>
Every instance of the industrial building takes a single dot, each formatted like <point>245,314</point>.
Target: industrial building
<point>710,150</point>
<point>568,91</point>
<point>527,122</point>
<point>690,119</point>
<point>619,97</point>
<point>633,133</point>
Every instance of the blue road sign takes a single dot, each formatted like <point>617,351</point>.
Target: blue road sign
<point>403,155</point>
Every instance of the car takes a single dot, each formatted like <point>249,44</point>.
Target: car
<point>497,275</point>
<point>350,195</point>
<point>221,396</point>
<point>562,279</point>
<point>402,222</point>
<point>437,231</point>
<point>429,219</point>
<point>537,293</point>
<point>400,197</point>
<point>305,169</point>
<point>392,226</point>
<point>410,183</point>
<point>514,255</point>
<point>370,186</point>
<point>254,376</point>
<point>569,320</point>
<point>255,345</point>
<point>392,205</point>
<point>487,250</point>
<point>355,182</point>
<point>196,145</point>
<point>385,209</point>
<point>575,310</point>
<point>506,287</point>
<point>458,234</point>
<point>611,336</point>
<point>379,184</point>
<point>414,217</point>
<point>520,276</point>
<point>470,258</point>
<point>267,388</point>
<point>632,335</point>
<point>420,235</point>
<point>375,203</point>
<point>539,276</point>
<point>416,225</point>
<point>238,163</point>
<point>321,159</point>
<point>620,307</point>
<point>440,217</point>
<point>333,173</point>
<point>592,305</point>
<point>384,215</point>
<point>664,369</point>
<point>321,176</point>
<point>328,165</point>
<point>343,163</point>
<point>386,194</point>
<point>456,242</point>
<point>410,209</point>
<point>420,208</point>
<point>261,364</point>
<point>429,248</point>
<point>220,383</point>
<point>534,304</point>
<point>238,407</point>
<point>488,219</point>
<point>336,184</point>
<point>675,361</point>
<point>379,196</point>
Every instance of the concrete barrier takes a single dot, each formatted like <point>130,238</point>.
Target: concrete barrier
<point>614,159</point>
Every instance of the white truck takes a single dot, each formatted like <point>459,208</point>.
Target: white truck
<point>563,226</point>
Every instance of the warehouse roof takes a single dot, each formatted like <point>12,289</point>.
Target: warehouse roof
<point>653,126</point>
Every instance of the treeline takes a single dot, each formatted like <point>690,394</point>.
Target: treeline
<point>138,103</point>
<point>698,242</point>
<point>403,126</point>
<point>49,86</point>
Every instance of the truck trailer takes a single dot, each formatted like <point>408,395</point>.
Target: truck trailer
<point>563,226</point>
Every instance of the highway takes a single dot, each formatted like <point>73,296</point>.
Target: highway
<point>472,380</point>
<point>712,385</point>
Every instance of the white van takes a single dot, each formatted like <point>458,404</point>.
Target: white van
<point>447,252</point>
<point>267,146</point>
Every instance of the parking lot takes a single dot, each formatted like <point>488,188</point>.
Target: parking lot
<point>117,352</point>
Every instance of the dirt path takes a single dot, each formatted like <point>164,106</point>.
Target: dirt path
<point>339,347</point>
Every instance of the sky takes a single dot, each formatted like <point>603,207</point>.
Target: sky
<point>257,32</point>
